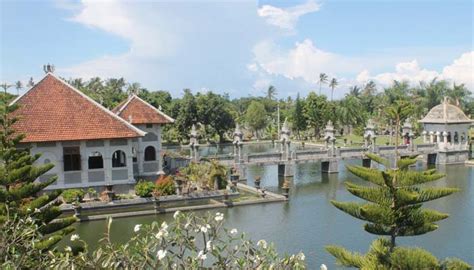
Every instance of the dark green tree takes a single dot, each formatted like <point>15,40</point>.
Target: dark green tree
<point>215,114</point>
<point>256,116</point>
<point>316,110</point>
<point>299,118</point>
<point>19,190</point>
<point>186,114</point>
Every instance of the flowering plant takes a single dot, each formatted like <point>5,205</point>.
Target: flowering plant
<point>189,242</point>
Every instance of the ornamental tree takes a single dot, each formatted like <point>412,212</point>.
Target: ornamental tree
<point>394,209</point>
<point>19,190</point>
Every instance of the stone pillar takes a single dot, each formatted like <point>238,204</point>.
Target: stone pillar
<point>330,166</point>
<point>193,142</point>
<point>329,135</point>
<point>438,139</point>
<point>424,136</point>
<point>107,162</point>
<point>129,161</point>
<point>369,133</point>
<point>84,163</point>
<point>445,139</point>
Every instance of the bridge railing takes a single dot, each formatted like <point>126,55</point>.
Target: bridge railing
<point>351,151</point>
<point>310,154</point>
<point>263,157</point>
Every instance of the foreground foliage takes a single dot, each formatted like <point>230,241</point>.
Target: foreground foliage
<point>393,209</point>
<point>18,186</point>
<point>189,242</point>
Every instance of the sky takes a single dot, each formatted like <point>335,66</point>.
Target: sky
<point>240,47</point>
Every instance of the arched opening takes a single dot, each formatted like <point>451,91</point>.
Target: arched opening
<point>95,160</point>
<point>456,137</point>
<point>449,137</point>
<point>150,153</point>
<point>119,159</point>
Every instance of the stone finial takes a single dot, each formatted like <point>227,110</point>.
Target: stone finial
<point>285,131</point>
<point>369,130</point>
<point>329,132</point>
<point>48,68</point>
<point>237,134</point>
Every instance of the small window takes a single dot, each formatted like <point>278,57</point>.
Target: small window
<point>149,125</point>
<point>72,159</point>
<point>96,161</point>
<point>150,153</point>
<point>119,159</point>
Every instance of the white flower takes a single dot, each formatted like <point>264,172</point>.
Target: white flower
<point>68,249</point>
<point>28,210</point>
<point>204,229</point>
<point>209,246</point>
<point>262,243</point>
<point>161,254</point>
<point>176,214</point>
<point>137,227</point>
<point>302,256</point>
<point>323,267</point>
<point>29,219</point>
<point>219,216</point>
<point>37,210</point>
<point>186,225</point>
<point>201,256</point>
<point>233,231</point>
<point>164,225</point>
<point>74,237</point>
<point>161,234</point>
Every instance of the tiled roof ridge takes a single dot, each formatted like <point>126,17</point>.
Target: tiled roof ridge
<point>151,106</point>
<point>116,117</point>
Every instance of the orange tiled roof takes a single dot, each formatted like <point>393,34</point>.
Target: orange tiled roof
<point>137,111</point>
<point>55,111</point>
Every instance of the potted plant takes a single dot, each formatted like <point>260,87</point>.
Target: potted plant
<point>257,182</point>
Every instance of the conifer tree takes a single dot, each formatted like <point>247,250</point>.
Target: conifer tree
<point>18,188</point>
<point>394,209</point>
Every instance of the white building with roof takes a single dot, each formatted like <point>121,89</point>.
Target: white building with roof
<point>447,126</point>
<point>89,144</point>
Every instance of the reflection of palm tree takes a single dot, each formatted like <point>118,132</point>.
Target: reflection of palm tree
<point>323,78</point>
<point>333,85</point>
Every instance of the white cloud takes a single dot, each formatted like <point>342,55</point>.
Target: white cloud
<point>460,71</point>
<point>286,18</point>
<point>306,61</point>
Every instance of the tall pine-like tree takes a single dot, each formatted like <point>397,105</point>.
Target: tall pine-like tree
<point>18,188</point>
<point>394,208</point>
<point>299,119</point>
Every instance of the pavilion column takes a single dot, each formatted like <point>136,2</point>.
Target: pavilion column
<point>438,138</point>
<point>424,137</point>
<point>431,137</point>
<point>445,139</point>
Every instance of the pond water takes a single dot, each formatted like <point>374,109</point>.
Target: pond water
<point>308,222</point>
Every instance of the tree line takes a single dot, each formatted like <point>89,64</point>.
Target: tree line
<point>215,115</point>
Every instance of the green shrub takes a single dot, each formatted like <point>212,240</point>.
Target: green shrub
<point>165,186</point>
<point>144,188</point>
<point>72,195</point>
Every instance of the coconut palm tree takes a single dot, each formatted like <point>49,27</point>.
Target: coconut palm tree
<point>323,78</point>
<point>271,92</point>
<point>333,85</point>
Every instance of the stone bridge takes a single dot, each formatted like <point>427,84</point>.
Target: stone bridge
<point>328,157</point>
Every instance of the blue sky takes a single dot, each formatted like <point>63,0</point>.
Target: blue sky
<point>239,47</point>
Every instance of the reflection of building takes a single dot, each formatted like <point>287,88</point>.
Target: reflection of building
<point>88,144</point>
<point>447,126</point>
